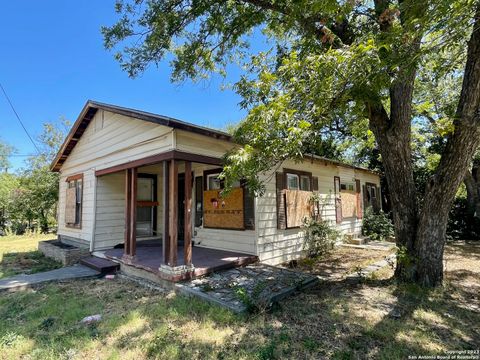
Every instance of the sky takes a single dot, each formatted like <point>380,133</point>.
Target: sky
<point>52,60</point>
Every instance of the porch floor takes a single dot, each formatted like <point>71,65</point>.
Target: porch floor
<point>205,261</point>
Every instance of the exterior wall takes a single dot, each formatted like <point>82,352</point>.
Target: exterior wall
<point>110,211</point>
<point>201,144</point>
<point>274,245</point>
<point>80,237</point>
<point>231,240</point>
<point>109,140</point>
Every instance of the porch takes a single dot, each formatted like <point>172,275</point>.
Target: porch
<point>167,227</point>
<point>149,257</point>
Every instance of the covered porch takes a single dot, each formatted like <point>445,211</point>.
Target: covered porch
<point>158,229</point>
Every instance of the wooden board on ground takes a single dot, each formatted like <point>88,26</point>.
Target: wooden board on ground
<point>223,213</point>
<point>298,207</point>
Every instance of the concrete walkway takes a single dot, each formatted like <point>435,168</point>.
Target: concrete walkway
<point>19,282</point>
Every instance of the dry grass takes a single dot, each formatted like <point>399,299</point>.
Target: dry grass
<point>376,319</point>
<point>18,254</point>
<point>342,261</point>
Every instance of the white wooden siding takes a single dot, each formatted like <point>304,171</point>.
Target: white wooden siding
<point>110,139</point>
<point>82,236</point>
<point>275,246</point>
<point>110,211</point>
<point>119,140</point>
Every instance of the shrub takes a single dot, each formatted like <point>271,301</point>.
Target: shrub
<point>461,223</point>
<point>320,237</point>
<point>377,226</point>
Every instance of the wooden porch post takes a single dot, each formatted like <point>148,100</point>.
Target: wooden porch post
<point>133,213</point>
<point>128,197</point>
<point>173,210</point>
<point>187,243</point>
<point>166,214</point>
<point>130,235</point>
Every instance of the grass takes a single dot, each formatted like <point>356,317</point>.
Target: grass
<point>19,255</point>
<point>376,319</point>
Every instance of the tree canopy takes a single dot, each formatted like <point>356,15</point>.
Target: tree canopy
<point>376,70</point>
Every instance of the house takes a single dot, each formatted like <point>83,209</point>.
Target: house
<point>143,189</point>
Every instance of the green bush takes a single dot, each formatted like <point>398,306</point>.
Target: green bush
<point>320,237</point>
<point>377,226</point>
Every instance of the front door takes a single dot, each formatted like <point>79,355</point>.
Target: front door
<point>146,198</point>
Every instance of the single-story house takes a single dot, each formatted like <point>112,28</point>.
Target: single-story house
<point>143,189</point>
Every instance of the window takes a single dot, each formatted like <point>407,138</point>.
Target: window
<point>298,180</point>
<point>305,183</point>
<point>213,182</point>
<point>292,182</point>
<point>73,203</point>
<point>347,187</point>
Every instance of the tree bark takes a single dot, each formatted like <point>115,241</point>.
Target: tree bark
<point>460,149</point>
<point>472,184</point>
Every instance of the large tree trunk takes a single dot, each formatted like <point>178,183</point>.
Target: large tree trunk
<point>458,154</point>
<point>421,235</point>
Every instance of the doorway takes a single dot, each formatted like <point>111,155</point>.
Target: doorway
<point>146,205</point>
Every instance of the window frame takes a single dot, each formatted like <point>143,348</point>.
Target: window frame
<point>77,181</point>
<point>299,174</point>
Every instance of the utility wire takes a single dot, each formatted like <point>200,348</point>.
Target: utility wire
<point>18,118</point>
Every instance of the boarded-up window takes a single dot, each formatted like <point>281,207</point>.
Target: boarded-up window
<point>293,197</point>
<point>298,207</point>
<point>224,212</point>
<point>73,201</point>
<point>349,203</point>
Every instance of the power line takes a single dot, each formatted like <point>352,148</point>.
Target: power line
<point>18,118</point>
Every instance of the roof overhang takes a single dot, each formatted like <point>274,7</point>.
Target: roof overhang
<point>90,109</point>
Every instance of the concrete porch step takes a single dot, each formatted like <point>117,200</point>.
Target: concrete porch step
<point>104,266</point>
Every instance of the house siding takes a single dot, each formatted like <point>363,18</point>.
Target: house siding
<point>110,139</point>
<point>274,245</point>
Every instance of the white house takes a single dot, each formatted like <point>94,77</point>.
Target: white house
<point>142,189</point>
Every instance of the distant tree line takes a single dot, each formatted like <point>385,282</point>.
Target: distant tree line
<point>29,195</point>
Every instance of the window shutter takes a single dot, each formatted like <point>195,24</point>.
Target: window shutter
<point>281,214</point>
<point>378,203</point>
<point>315,183</point>
<point>248,209</point>
<point>70,204</point>
<point>365,197</point>
<point>358,189</point>
<point>338,200</point>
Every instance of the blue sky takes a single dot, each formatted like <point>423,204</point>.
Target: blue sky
<point>52,60</point>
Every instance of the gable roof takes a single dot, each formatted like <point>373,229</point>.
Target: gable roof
<point>91,108</point>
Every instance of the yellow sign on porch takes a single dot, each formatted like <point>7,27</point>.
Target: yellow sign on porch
<point>223,213</point>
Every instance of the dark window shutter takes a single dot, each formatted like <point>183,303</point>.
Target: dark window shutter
<point>281,213</point>
<point>365,197</point>
<point>315,183</point>
<point>248,209</point>
<point>378,204</point>
<point>358,189</point>
<point>198,201</point>
<point>338,200</point>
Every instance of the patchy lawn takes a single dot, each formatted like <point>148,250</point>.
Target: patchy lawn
<point>376,319</point>
<point>19,255</point>
<point>342,261</point>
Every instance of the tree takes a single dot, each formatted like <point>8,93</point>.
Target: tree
<point>5,152</point>
<point>356,63</point>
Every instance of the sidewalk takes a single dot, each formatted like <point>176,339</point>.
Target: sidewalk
<point>19,282</point>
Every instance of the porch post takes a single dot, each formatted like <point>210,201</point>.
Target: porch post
<point>187,242</point>
<point>130,212</point>
<point>173,210</point>
<point>166,215</point>
<point>133,213</point>
<point>127,232</point>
